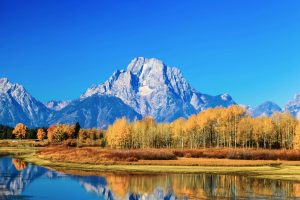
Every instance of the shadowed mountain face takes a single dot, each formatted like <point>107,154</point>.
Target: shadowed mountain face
<point>95,111</point>
<point>268,108</point>
<point>265,109</point>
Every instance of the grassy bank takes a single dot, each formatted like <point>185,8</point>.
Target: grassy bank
<point>96,155</point>
<point>103,160</point>
<point>284,171</point>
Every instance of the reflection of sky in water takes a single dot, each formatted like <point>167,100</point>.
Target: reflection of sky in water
<point>63,188</point>
<point>34,182</point>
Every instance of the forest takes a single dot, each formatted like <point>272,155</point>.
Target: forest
<point>217,127</point>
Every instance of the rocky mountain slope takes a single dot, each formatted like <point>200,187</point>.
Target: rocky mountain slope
<point>17,105</point>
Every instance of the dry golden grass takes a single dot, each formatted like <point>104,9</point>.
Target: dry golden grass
<point>240,154</point>
<point>210,157</point>
<point>96,155</point>
<point>209,162</point>
<point>23,143</point>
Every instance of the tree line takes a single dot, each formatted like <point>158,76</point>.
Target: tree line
<point>55,134</point>
<point>6,132</point>
<point>215,127</point>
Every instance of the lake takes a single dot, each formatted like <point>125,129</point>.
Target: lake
<point>20,180</point>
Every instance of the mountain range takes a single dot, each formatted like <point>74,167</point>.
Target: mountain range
<point>148,87</point>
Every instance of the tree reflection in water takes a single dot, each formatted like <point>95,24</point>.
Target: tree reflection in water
<point>206,186</point>
<point>17,175</point>
<point>19,164</point>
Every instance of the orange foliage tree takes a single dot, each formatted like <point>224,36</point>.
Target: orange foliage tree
<point>20,131</point>
<point>41,134</point>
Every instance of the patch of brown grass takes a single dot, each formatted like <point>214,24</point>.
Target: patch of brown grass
<point>95,155</point>
<point>197,157</point>
<point>240,154</point>
<point>23,143</point>
<point>183,161</point>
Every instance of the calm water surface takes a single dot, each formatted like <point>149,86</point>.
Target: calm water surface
<point>26,181</point>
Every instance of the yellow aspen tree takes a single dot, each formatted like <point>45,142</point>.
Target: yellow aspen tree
<point>269,132</point>
<point>257,131</point>
<point>290,129</point>
<point>191,126</point>
<point>203,126</point>
<point>178,132</point>
<point>50,132</point>
<point>20,131</point>
<point>41,134</point>
<point>245,131</point>
<point>69,130</point>
<point>236,113</point>
<point>296,141</point>
<point>223,126</point>
<point>217,125</point>
<point>276,117</point>
<point>285,129</point>
<point>59,133</point>
<point>119,134</point>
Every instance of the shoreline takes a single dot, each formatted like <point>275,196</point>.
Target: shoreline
<point>284,170</point>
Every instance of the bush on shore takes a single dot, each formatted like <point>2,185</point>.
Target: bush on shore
<point>98,155</point>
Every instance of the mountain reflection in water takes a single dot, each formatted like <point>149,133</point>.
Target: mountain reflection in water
<point>26,181</point>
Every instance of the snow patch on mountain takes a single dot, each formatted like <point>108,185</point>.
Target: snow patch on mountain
<point>294,106</point>
<point>57,105</point>
<point>145,91</point>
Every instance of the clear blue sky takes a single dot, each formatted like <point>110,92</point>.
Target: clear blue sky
<point>57,49</point>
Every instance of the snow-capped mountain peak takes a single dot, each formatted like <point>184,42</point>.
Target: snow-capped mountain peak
<point>152,88</point>
<point>294,106</point>
<point>3,81</point>
<point>6,86</point>
<point>226,97</point>
<point>265,109</point>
